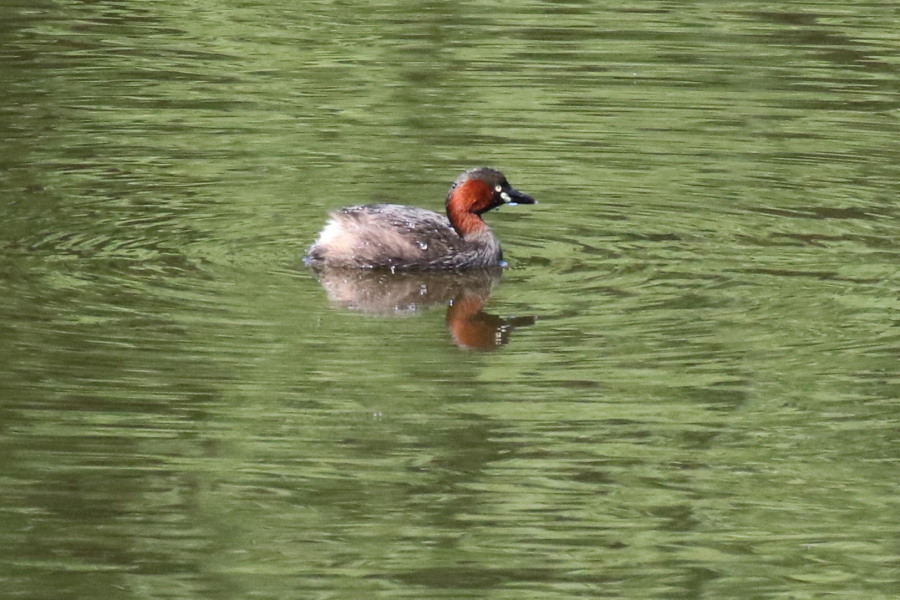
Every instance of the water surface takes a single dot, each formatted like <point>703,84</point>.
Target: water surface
<point>685,384</point>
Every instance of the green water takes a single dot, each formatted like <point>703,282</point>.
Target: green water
<point>685,385</point>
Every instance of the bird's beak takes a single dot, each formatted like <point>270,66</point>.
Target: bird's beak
<point>513,197</point>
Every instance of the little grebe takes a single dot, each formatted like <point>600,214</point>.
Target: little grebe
<point>395,237</point>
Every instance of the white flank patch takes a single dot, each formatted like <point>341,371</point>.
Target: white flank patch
<point>330,232</point>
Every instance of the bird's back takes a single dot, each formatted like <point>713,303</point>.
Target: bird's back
<point>399,237</point>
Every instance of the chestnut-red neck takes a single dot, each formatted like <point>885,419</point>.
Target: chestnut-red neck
<point>465,204</point>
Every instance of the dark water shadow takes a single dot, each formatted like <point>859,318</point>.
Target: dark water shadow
<point>464,293</point>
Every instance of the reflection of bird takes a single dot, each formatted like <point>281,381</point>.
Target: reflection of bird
<point>392,236</point>
<point>380,292</point>
<point>474,329</point>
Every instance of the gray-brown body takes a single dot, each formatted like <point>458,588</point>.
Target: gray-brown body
<point>394,236</point>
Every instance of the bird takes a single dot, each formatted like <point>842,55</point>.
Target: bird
<point>398,237</point>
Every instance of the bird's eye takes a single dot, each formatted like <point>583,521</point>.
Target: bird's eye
<point>498,188</point>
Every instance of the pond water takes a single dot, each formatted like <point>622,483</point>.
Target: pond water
<point>684,385</point>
